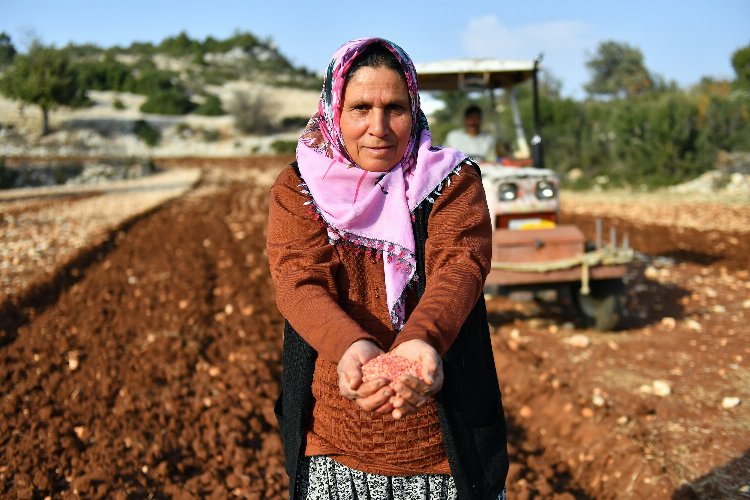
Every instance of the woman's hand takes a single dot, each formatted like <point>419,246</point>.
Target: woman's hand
<point>373,395</point>
<point>412,392</point>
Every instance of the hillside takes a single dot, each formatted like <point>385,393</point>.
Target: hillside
<point>213,97</point>
<point>102,130</point>
<point>196,63</point>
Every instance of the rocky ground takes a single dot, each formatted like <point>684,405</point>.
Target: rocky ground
<point>46,228</point>
<point>148,364</point>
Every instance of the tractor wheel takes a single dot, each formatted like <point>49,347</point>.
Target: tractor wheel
<point>603,307</point>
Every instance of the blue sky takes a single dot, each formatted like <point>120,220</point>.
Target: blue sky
<point>682,40</point>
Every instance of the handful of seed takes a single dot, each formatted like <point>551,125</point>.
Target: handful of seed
<point>390,367</point>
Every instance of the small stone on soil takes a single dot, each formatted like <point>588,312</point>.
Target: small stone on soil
<point>578,340</point>
<point>73,360</point>
<point>730,402</point>
<point>693,325</point>
<point>669,322</point>
<point>661,387</point>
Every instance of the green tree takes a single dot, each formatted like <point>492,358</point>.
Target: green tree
<point>741,65</point>
<point>106,74</point>
<point>141,48</point>
<point>242,39</point>
<point>7,50</point>
<point>44,76</point>
<point>726,122</point>
<point>618,71</point>
<point>179,45</point>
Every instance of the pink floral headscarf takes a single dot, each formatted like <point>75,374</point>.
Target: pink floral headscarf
<point>372,211</point>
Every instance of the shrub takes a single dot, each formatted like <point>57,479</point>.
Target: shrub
<point>251,112</point>
<point>146,132</point>
<point>240,39</point>
<point>118,104</point>
<point>211,135</point>
<point>148,80</point>
<point>184,129</point>
<point>211,106</point>
<point>7,176</point>
<point>283,147</point>
<point>168,102</point>
<point>294,122</point>
<point>145,49</point>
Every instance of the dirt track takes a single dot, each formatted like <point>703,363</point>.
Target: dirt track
<point>151,366</point>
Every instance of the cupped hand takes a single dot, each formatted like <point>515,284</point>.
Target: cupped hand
<point>373,395</point>
<point>413,392</point>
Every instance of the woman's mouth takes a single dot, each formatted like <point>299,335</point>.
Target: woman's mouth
<point>377,149</point>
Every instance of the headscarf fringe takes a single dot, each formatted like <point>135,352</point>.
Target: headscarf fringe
<point>439,189</point>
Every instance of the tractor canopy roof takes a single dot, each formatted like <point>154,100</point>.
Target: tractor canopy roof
<point>473,74</point>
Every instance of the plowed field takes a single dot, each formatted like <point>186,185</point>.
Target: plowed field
<point>146,363</point>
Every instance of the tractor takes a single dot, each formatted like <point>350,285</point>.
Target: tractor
<point>531,249</point>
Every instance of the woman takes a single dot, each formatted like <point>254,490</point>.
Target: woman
<point>380,242</point>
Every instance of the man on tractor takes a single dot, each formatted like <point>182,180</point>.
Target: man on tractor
<point>481,146</point>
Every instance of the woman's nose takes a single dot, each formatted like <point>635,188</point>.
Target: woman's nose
<point>378,122</point>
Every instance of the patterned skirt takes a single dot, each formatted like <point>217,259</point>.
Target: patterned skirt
<point>322,478</point>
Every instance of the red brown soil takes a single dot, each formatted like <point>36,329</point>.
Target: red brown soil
<point>155,372</point>
<point>151,371</point>
<point>687,325</point>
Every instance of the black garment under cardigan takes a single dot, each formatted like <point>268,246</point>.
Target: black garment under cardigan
<point>469,405</point>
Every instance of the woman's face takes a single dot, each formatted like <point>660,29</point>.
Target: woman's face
<point>376,118</point>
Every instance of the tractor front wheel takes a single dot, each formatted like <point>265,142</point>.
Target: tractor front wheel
<point>604,306</point>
